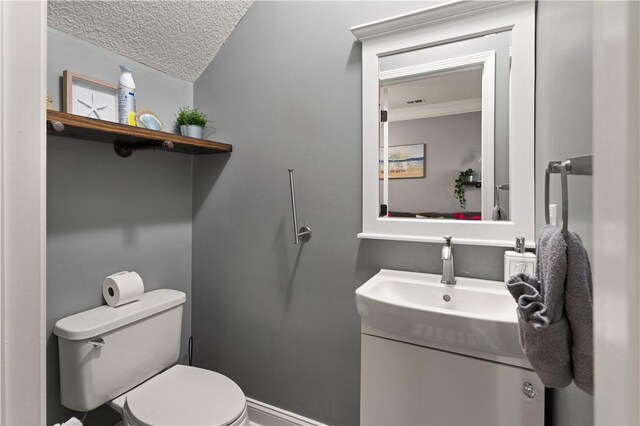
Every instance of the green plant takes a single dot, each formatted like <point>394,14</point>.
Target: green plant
<point>458,190</point>
<point>191,116</point>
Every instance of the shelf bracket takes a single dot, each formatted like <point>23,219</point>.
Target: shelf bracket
<point>126,150</point>
<point>56,126</point>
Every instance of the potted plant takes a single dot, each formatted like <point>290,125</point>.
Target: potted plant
<point>458,190</point>
<point>191,121</point>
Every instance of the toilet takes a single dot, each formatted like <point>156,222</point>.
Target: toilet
<point>125,357</point>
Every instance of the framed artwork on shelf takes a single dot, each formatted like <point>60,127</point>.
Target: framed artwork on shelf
<point>405,161</point>
<point>89,97</point>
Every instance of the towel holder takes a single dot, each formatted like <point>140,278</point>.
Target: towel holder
<point>582,165</point>
<point>496,194</point>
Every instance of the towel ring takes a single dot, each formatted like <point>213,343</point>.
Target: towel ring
<point>573,166</point>
<point>565,198</point>
<point>562,166</point>
<point>547,176</point>
<point>496,192</point>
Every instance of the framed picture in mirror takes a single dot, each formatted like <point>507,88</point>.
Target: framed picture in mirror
<point>404,161</point>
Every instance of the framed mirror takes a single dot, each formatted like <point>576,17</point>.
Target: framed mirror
<point>448,143</point>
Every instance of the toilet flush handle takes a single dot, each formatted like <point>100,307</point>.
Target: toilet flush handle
<point>97,342</point>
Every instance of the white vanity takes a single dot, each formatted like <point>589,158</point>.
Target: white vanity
<point>436,354</point>
<point>448,148</point>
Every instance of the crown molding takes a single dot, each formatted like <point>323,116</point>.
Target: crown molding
<point>422,17</point>
<point>435,110</point>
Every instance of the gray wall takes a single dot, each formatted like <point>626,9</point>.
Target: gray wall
<point>280,319</point>
<point>453,142</point>
<point>106,213</point>
<point>563,129</point>
<point>277,318</point>
<point>285,90</point>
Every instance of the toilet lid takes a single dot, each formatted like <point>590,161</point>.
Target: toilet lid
<point>186,396</point>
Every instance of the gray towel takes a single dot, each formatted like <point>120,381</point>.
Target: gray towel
<point>559,348</point>
<point>579,308</point>
<point>544,331</point>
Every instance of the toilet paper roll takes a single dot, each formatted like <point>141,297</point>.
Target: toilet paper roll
<point>123,287</point>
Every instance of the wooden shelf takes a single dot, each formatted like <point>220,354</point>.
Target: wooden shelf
<point>127,139</point>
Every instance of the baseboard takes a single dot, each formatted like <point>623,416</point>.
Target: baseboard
<point>261,414</point>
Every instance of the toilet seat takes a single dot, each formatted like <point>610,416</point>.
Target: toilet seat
<point>185,395</point>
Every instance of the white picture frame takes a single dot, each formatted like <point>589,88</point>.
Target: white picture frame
<point>89,97</point>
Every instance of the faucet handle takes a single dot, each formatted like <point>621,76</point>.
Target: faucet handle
<point>448,240</point>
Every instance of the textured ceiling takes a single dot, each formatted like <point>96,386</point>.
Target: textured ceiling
<point>179,38</point>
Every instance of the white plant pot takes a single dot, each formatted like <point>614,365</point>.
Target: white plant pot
<point>191,131</point>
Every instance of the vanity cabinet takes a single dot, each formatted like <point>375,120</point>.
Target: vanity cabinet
<point>407,384</point>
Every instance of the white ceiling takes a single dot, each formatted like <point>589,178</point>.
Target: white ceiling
<point>435,89</point>
<point>179,38</point>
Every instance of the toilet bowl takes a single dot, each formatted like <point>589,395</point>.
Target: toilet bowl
<point>129,352</point>
<point>183,395</point>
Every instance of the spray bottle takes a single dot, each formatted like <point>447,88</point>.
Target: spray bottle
<point>126,97</point>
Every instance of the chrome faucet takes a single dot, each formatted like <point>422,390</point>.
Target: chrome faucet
<point>448,277</point>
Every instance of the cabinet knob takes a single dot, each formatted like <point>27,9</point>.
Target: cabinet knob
<point>529,390</point>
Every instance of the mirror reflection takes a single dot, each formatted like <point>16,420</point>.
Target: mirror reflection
<point>444,131</point>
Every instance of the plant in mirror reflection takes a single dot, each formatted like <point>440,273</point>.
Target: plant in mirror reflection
<point>459,191</point>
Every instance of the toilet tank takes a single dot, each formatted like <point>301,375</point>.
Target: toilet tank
<point>106,351</point>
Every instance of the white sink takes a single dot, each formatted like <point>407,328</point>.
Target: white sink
<point>473,317</point>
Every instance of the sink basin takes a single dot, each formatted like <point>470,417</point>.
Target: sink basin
<point>473,317</point>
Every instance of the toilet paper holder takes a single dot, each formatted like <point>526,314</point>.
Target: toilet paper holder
<point>303,234</point>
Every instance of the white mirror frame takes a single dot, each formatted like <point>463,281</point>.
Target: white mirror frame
<point>448,22</point>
